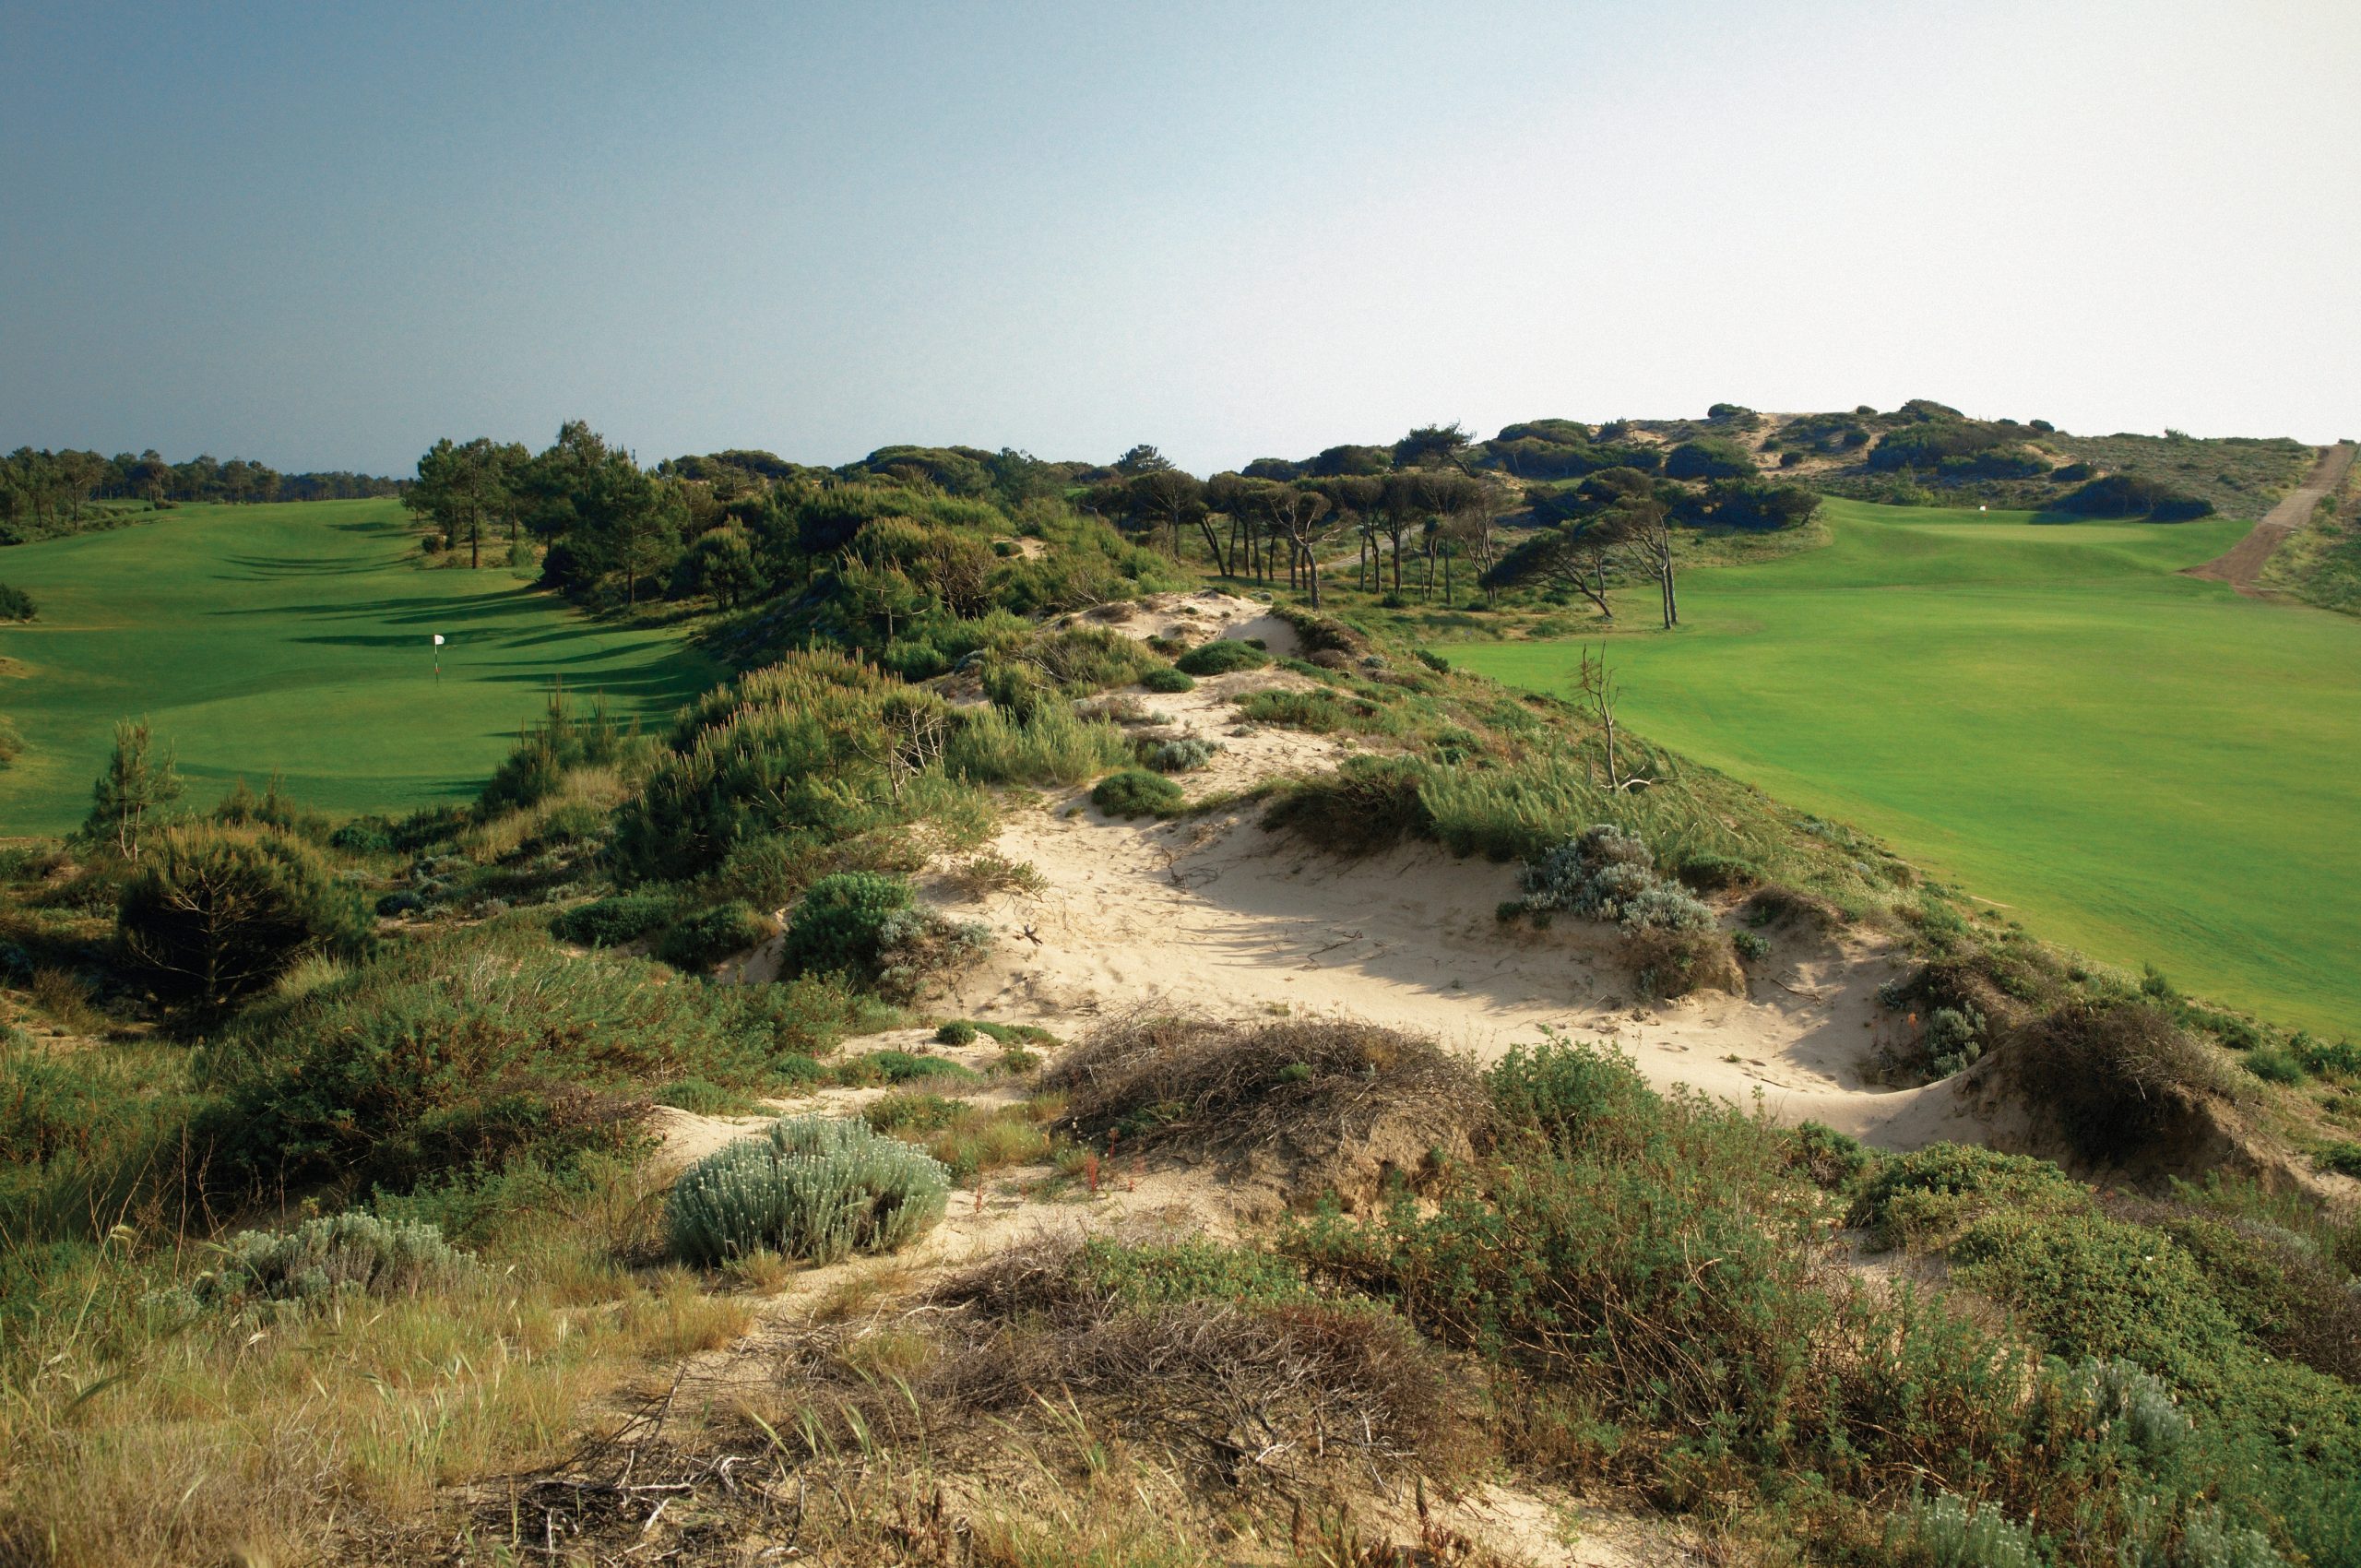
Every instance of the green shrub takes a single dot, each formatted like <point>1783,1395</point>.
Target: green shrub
<point>612,922</point>
<point>900,1067</point>
<point>1166,680</point>
<point>322,1258</point>
<point>363,836</point>
<point>1751,946</point>
<point>1221,657</point>
<point>2274,1063</point>
<point>1135,792</point>
<point>841,925</point>
<point>704,1097</point>
<point>814,1187</point>
<point>478,1047</point>
<point>15,604</point>
<point>958,1031</point>
<point>217,914</point>
<point>707,937</point>
<point>1929,1195</point>
<point>907,1110</point>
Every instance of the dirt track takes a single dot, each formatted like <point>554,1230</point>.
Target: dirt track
<point>2242,563</point>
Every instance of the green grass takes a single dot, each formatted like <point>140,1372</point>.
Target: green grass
<point>295,636</point>
<point>2137,764</point>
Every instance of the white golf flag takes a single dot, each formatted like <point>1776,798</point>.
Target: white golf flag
<point>438,639</point>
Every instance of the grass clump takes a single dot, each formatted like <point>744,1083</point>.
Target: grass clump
<point>1315,711</point>
<point>1135,792</point>
<point>900,1067</point>
<point>814,1187</point>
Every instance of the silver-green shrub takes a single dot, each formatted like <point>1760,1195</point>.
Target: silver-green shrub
<point>1609,875</point>
<point>322,1258</point>
<point>2133,1407</point>
<point>814,1187</point>
<point>1185,755</point>
<point>1949,1532</point>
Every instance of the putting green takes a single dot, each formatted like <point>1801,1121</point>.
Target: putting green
<point>298,638</point>
<point>2135,762</point>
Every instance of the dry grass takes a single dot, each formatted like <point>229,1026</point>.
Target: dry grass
<point>992,872</point>
<point>2119,1077</point>
<point>130,1435</point>
<point>66,1002</point>
<point>1285,1393</point>
<point>1225,1086</point>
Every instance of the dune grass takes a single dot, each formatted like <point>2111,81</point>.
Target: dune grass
<point>296,636</point>
<point>2135,762</point>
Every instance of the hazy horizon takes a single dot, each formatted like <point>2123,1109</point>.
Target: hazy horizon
<point>323,240</point>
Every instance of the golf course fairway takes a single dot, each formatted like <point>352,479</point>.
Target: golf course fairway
<point>2138,764</point>
<point>295,636</point>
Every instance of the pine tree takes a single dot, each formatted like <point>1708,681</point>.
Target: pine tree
<point>135,790</point>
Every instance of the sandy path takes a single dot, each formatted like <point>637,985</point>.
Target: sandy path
<point>2242,563</point>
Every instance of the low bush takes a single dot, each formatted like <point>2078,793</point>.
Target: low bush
<point>1368,804</point>
<point>217,914</point>
<point>900,1067</point>
<point>1185,755</point>
<point>1671,945</point>
<point>1172,1350</point>
<point>1166,680</point>
<point>958,1031</point>
<point>363,836</point>
<point>814,1187</point>
<point>1135,792</point>
<point>354,1253</point>
<point>1221,657</point>
<point>991,872</point>
<point>2117,1073</point>
<point>612,922</point>
<point>479,1047</point>
<point>15,604</point>
<point>1346,1106</point>
<point>706,938</point>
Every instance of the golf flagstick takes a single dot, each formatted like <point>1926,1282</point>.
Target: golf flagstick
<point>438,659</point>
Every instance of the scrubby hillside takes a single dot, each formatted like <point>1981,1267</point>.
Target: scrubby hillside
<point>1061,1062</point>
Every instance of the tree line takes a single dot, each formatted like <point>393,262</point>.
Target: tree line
<point>44,493</point>
<point>1432,515</point>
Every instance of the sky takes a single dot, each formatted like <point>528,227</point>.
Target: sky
<point>323,235</point>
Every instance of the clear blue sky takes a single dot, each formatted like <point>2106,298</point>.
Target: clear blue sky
<point>322,236</point>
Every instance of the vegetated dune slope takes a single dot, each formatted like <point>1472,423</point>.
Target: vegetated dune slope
<point>1219,915</point>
